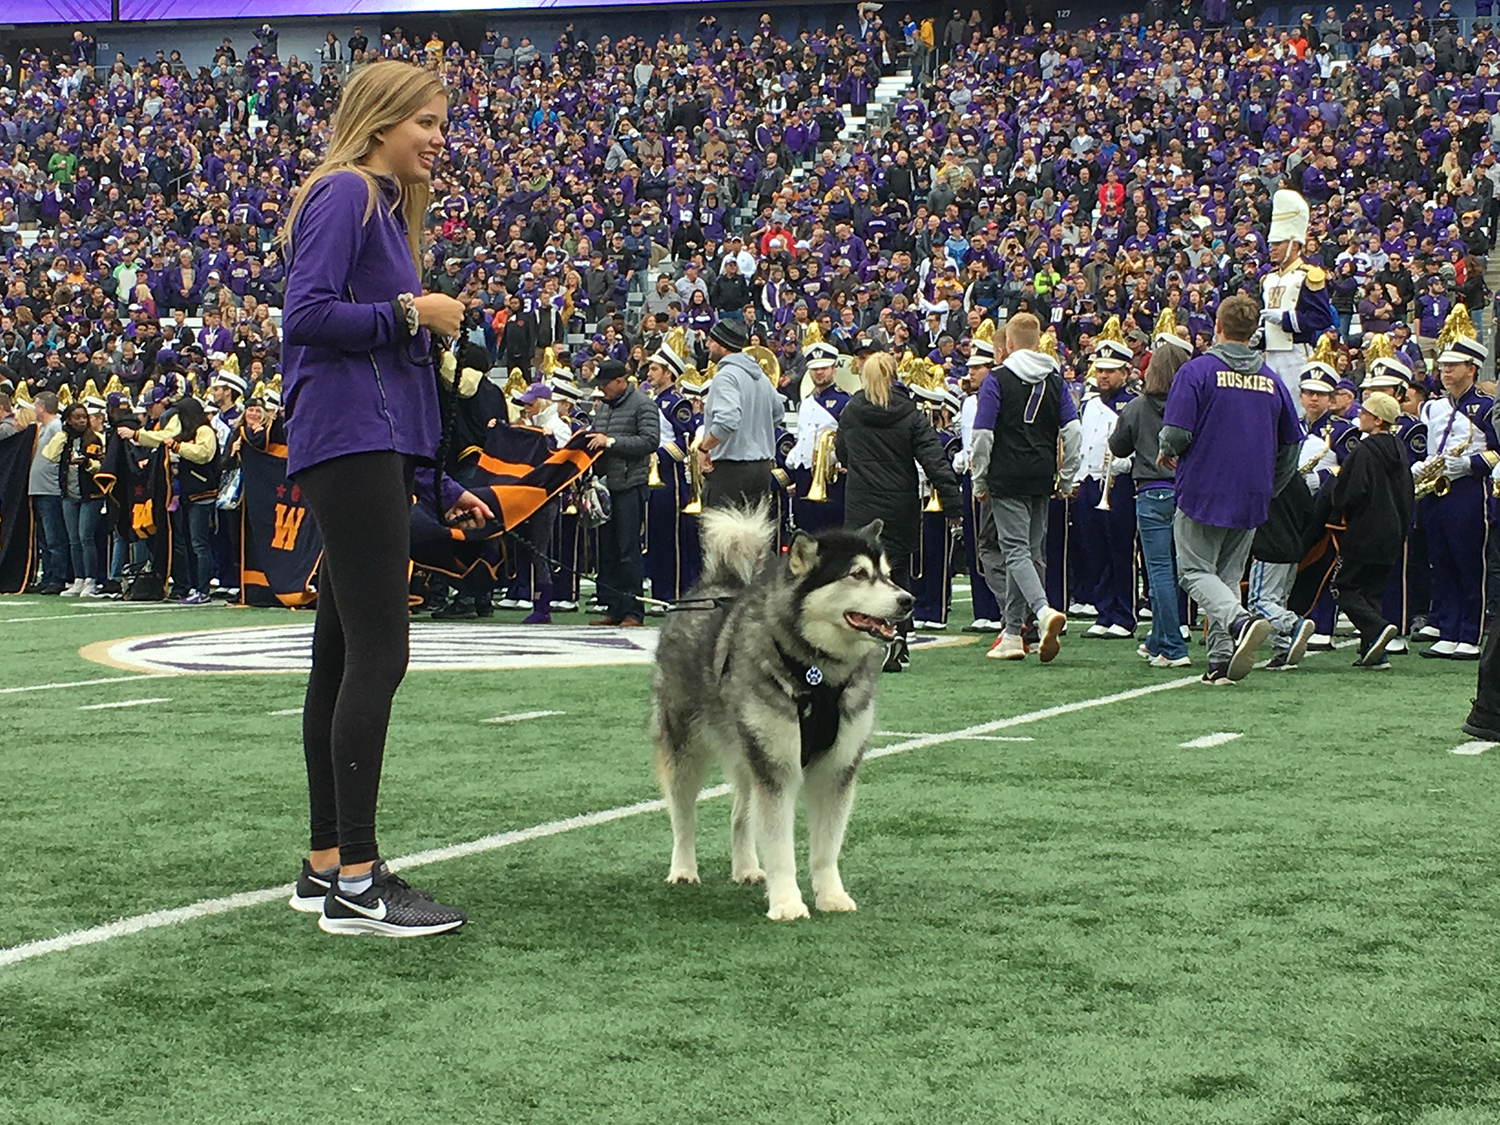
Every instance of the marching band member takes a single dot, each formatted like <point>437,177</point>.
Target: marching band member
<point>1462,449</point>
<point>1281,540</point>
<point>1106,527</point>
<point>982,557</point>
<point>1329,439</point>
<point>671,535</point>
<point>932,562</point>
<point>569,543</point>
<point>822,403</point>
<point>1296,309</point>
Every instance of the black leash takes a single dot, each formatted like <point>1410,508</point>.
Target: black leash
<point>682,604</point>
<point>440,347</point>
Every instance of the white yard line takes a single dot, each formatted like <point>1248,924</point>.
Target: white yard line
<point>84,683</point>
<point>1218,738</point>
<point>286,711</point>
<point>91,616</point>
<point>123,703</point>
<point>1470,749</point>
<point>522,716</point>
<point>972,738</point>
<point>207,907</point>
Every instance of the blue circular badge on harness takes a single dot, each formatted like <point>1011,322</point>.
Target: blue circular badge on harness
<point>814,675</point>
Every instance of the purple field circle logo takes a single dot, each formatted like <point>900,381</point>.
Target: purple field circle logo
<point>435,647</point>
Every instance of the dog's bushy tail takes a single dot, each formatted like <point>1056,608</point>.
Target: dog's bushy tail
<point>735,541</point>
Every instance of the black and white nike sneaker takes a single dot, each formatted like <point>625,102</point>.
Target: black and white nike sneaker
<point>311,889</point>
<point>388,906</point>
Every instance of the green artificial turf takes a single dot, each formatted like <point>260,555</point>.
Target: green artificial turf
<point>1097,926</point>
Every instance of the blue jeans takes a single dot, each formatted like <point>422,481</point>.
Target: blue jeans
<point>52,534</point>
<point>1154,511</point>
<point>193,546</point>
<point>82,519</point>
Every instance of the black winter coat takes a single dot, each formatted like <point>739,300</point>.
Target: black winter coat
<point>1373,495</point>
<point>880,448</point>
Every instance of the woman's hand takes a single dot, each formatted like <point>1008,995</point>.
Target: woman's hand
<point>439,312</point>
<point>470,510</point>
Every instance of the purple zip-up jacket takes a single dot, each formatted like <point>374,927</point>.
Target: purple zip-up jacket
<point>351,384</point>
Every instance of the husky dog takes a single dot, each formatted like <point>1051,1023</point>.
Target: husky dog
<point>771,663</point>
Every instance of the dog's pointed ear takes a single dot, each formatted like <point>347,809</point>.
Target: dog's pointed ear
<point>802,556</point>
<point>872,530</point>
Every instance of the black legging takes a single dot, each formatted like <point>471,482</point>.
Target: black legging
<point>362,505</point>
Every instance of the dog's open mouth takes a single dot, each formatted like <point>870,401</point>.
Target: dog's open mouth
<point>877,627</point>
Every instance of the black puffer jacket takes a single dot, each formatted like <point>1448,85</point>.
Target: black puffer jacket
<point>1373,494</point>
<point>634,421</point>
<point>880,447</point>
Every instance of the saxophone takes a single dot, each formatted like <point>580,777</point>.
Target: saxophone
<point>1312,462</point>
<point>1430,480</point>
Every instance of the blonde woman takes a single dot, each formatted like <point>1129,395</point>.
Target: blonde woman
<point>361,410</point>
<point>881,439</point>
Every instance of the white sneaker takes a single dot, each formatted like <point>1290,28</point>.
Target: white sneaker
<point>508,603</point>
<point>73,589</point>
<point>1398,647</point>
<point>90,589</point>
<point>1082,609</point>
<point>1007,647</point>
<point>982,625</point>
<point>1161,661</point>
<point>1142,651</point>
<point>1427,633</point>
<point>1320,642</point>
<point>1462,651</point>
<point>1049,624</point>
<point>1443,649</point>
<point>1095,632</point>
<point>1118,632</point>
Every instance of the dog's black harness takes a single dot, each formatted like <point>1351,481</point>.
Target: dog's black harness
<point>817,706</point>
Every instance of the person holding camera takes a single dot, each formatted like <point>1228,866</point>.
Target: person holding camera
<point>626,433</point>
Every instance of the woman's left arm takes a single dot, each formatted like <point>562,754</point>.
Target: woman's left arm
<point>329,237</point>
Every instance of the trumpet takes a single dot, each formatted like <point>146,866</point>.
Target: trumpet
<point>1109,477</point>
<point>823,467</point>
<point>653,477</point>
<point>934,501</point>
<point>1430,480</point>
<point>695,483</point>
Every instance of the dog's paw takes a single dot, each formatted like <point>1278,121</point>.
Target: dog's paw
<point>753,875</point>
<point>788,911</point>
<point>835,902</point>
<point>683,875</point>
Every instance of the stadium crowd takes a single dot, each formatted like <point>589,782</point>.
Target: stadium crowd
<point>1114,181</point>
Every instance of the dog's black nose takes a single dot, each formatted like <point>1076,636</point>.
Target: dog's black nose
<point>904,602</point>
